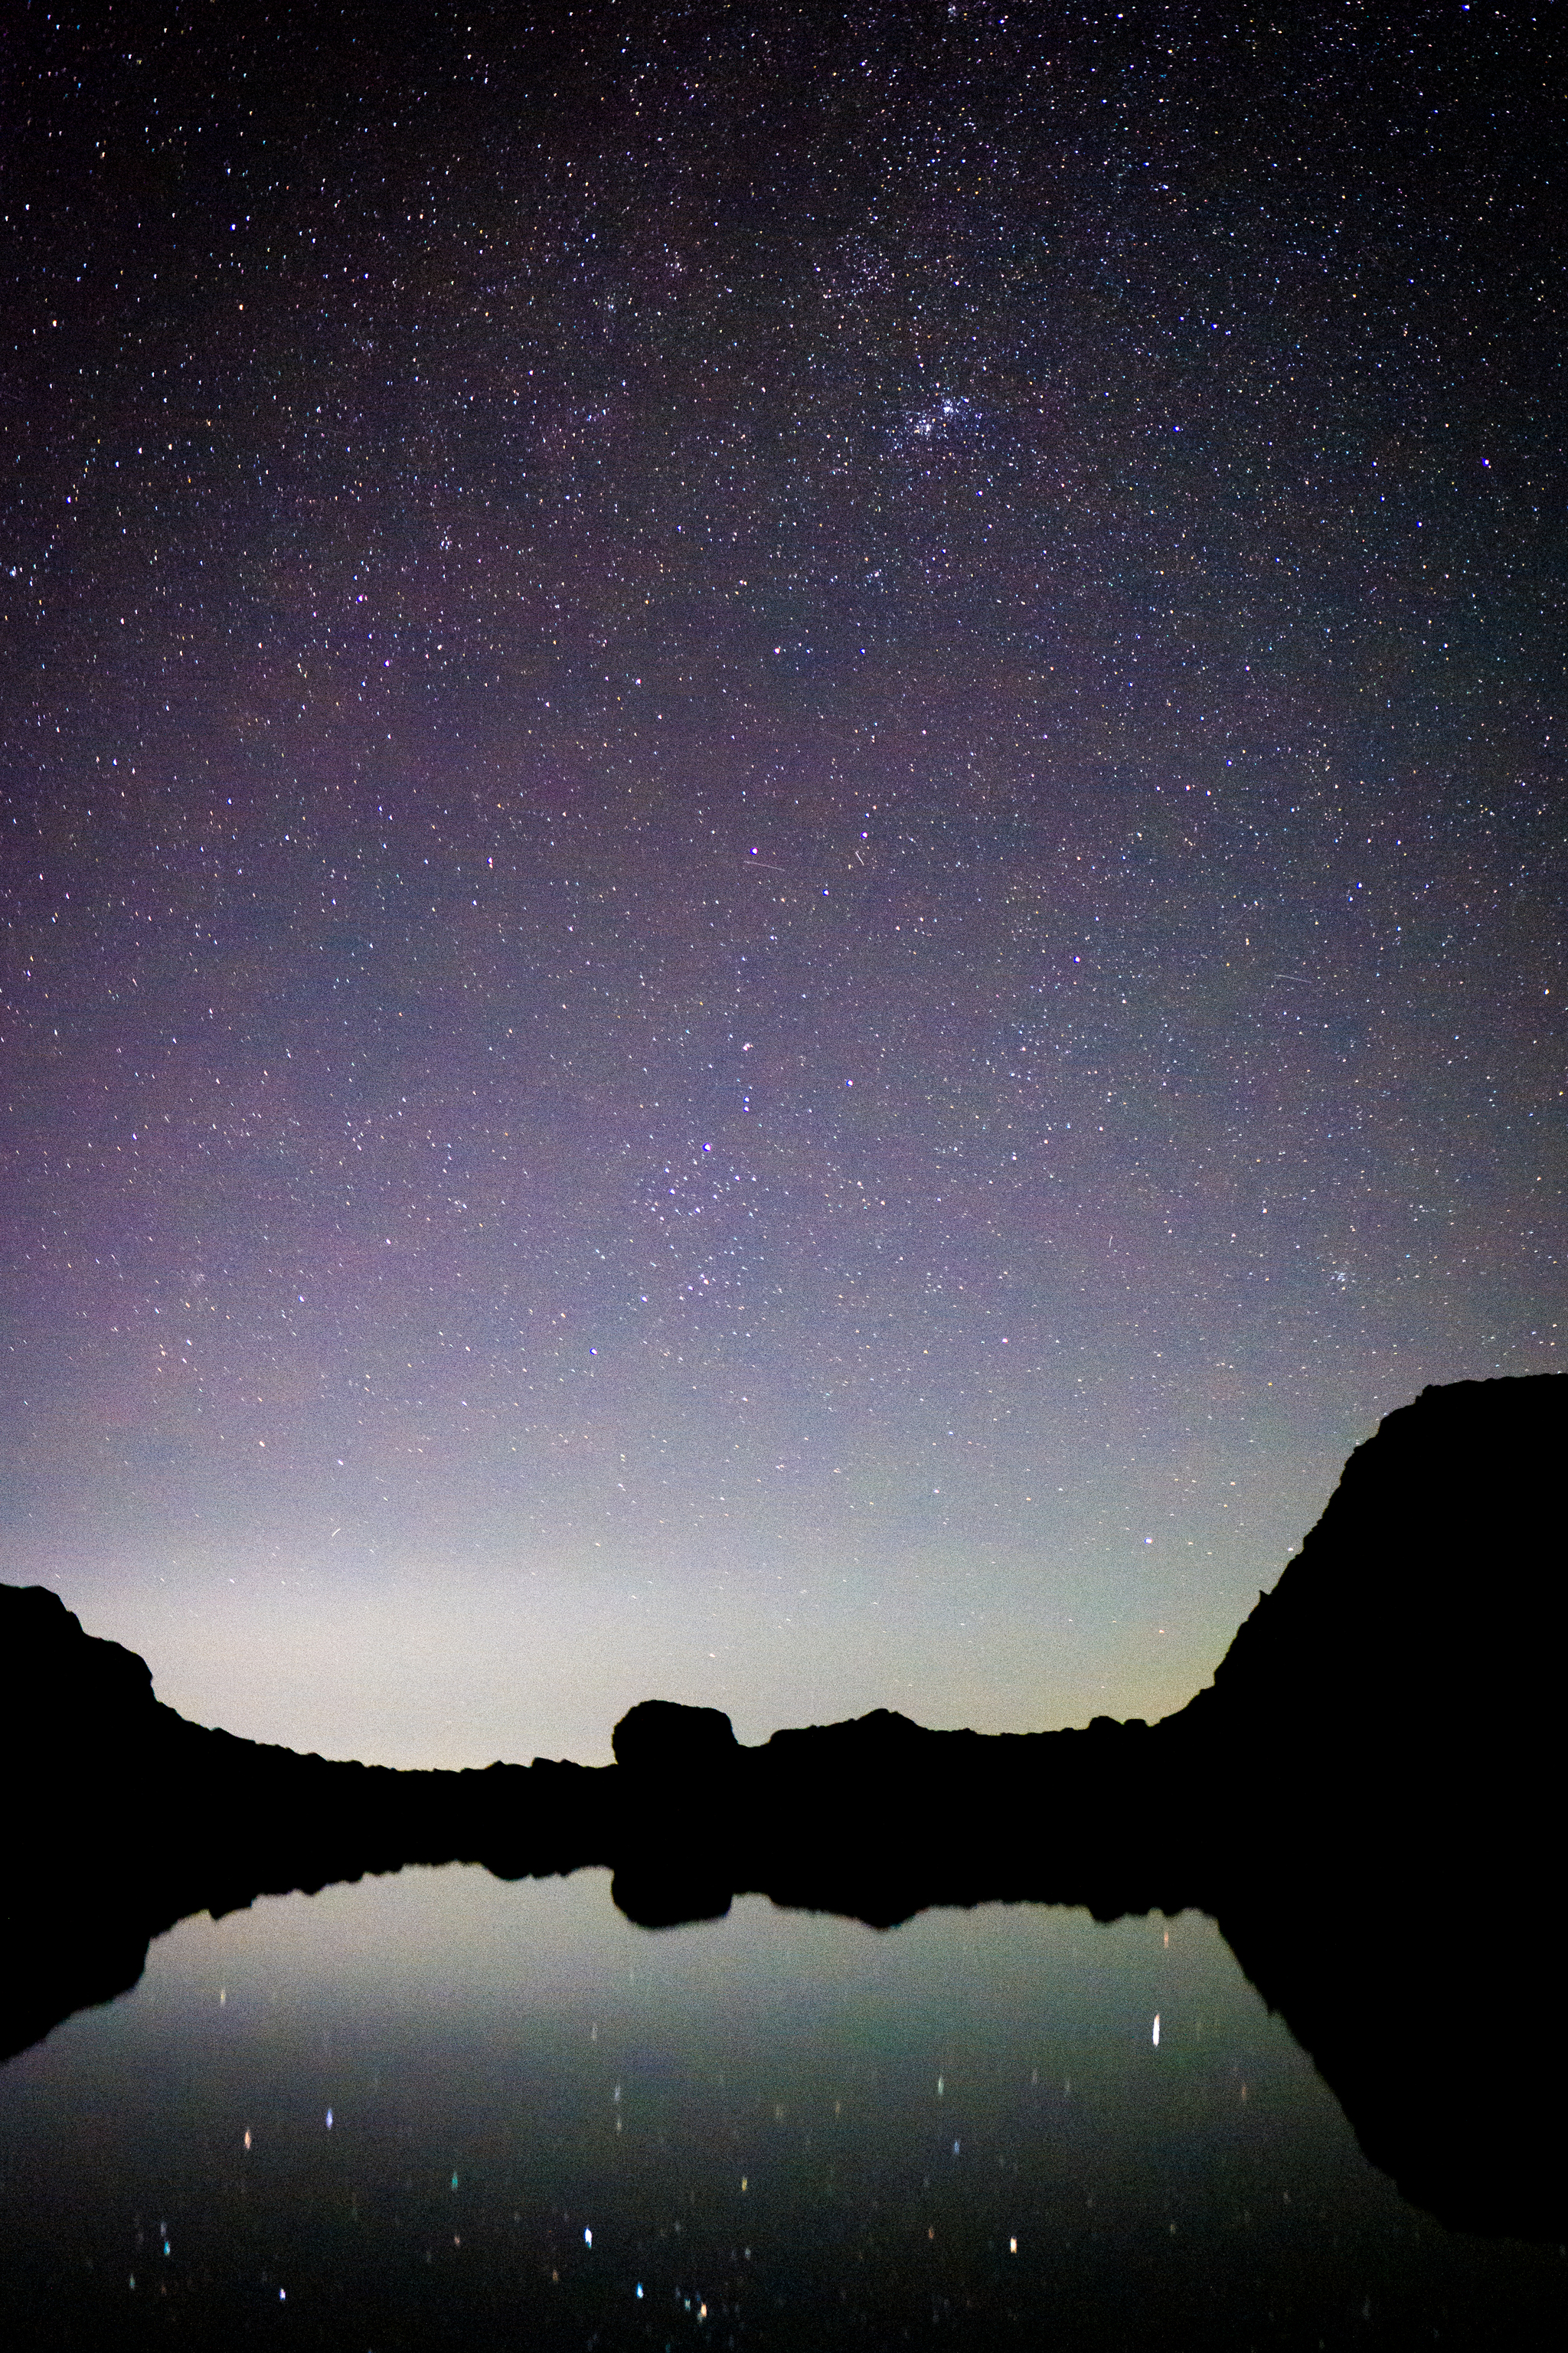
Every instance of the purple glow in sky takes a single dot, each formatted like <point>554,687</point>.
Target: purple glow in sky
<point>782,840</point>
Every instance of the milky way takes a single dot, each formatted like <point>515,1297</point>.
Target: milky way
<point>784,845</point>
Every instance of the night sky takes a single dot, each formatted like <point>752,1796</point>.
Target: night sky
<point>784,843</point>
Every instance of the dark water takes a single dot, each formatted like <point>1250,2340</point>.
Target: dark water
<point>441,2110</point>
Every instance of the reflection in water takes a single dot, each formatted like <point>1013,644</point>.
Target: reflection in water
<point>441,2109</point>
<point>438,2109</point>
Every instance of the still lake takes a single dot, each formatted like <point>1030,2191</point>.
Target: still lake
<point>438,2109</point>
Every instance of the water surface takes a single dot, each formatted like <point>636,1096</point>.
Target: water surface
<point>439,2109</point>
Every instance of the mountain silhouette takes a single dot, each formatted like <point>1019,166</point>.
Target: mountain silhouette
<point>1424,1614</point>
<point>1367,1797</point>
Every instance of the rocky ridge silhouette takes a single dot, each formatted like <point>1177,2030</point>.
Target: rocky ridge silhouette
<point>1378,1752</point>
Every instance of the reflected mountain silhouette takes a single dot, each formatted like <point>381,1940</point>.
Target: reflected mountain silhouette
<point>1367,1798</point>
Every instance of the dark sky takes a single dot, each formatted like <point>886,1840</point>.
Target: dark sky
<point>784,843</point>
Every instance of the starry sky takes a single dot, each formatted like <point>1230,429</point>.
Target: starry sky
<point>782,836</point>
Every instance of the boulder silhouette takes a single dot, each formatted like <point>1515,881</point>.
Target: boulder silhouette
<point>661,1736</point>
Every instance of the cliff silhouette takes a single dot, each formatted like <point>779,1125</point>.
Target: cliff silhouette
<point>1366,1798</point>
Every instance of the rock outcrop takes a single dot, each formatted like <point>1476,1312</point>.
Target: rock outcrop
<point>1412,1650</point>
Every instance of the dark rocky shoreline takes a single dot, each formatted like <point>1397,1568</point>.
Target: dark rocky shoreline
<point>1367,1797</point>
